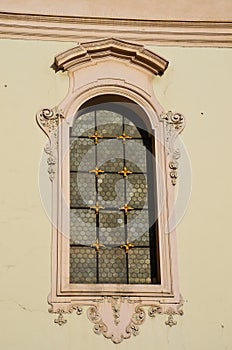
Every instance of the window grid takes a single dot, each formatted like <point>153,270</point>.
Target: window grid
<point>127,247</point>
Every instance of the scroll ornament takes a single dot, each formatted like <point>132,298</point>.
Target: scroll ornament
<point>117,317</point>
<point>49,120</point>
<point>174,125</point>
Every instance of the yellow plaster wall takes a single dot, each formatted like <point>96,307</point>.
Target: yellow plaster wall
<point>197,81</point>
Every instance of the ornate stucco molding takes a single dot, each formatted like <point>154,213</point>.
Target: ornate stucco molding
<point>118,318</point>
<point>145,32</point>
<point>169,310</point>
<point>174,125</point>
<point>48,120</point>
<point>85,52</point>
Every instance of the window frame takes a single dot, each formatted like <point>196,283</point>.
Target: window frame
<point>165,288</point>
<point>100,68</point>
<point>127,112</point>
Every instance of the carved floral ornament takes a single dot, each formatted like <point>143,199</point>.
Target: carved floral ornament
<point>118,318</point>
<point>116,314</point>
<point>49,121</point>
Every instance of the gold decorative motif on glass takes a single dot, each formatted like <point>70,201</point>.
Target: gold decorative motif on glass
<point>112,225</point>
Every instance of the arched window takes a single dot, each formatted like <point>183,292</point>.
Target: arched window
<point>113,230</point>
<point>113,167</point>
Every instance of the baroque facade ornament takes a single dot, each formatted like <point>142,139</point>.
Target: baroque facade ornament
<point>159,309</point>
<point>118,310</point>
<point>118,318</point>
<point>174,125</point>
<point>60,320</point>
<point>90,51</point>
<point>49,120</point>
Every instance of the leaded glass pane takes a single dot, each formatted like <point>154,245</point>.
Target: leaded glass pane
<point>82,155</point>
<point>83,125</point>
<point>138,227</point>
<point>109,124</point>
<point>110,155</point>
<point>130,128</point>
<point>82,227</point>
<point>135,156</point>
<point>111,228</point>
<point>83,268</point>
<point>111,190</point>
<point>82,190</point>
<point>136,190</point>
<point>112,266</point>
<point>139,266</point>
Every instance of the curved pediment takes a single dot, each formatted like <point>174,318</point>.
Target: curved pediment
<point>99,49</point>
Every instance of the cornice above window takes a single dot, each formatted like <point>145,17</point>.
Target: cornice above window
<point>99,49</point>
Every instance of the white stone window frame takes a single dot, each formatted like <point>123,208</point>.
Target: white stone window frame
<point>103,67</point>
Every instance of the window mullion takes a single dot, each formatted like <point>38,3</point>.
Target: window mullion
<point>125,201</point>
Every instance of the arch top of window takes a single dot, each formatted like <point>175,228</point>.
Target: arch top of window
<point>93,51</point>
<point>120,105</point>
